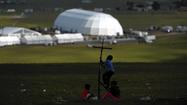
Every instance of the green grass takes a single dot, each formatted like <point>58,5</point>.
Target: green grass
<point>135,20</point>
<point>144,20</point>
<point>165,49</point>
<point>34,20</point>
<point>162,82</point>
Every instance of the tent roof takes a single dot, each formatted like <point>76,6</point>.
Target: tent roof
<point>83,13</point>
<point>12,30</point>
<point>69,35</point>
<point>88,22</point>
<point>41,37</point>
<point>7,30</point>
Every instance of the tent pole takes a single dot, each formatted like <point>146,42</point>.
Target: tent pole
<point>100,67</point>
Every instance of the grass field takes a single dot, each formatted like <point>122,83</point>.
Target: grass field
<point>55,75</point>
<point>58,74</point>
<point>144,20</point>
<point>171,48</point>
<point>24,84</point>
<point>137,20</point>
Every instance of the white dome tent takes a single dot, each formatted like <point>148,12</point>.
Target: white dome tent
<point>88,22</point>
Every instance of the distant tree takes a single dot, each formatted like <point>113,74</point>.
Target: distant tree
<point>118,8</point>
<point>156,5</point>
<point>180,3</point>
<point>130,5</point>
<point>177,4</point>
<point>184,2</point>
<point>140,6</point>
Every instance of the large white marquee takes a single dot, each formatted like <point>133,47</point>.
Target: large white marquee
<point>88,22</point>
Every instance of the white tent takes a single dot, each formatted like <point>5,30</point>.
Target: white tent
<point>43,39</point>
<point>9,40</point>
<point>17,31</point>
<point>68,38</point>
<point>88,22</point>
<point>167,29</point>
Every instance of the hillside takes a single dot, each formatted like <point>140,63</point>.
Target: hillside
<point>20,4</point>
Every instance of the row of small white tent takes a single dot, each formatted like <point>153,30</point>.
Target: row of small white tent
<point>41,39</point>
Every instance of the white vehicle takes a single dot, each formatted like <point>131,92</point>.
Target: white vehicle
<point>150,38</point>
<point>181,28</point>
<point>167,29</point>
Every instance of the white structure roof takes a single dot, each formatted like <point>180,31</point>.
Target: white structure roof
<point>68,38</point>
<point>42,39</point>
<point>88,22</point>
<point>17,31</point>
<point>9,40</point>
